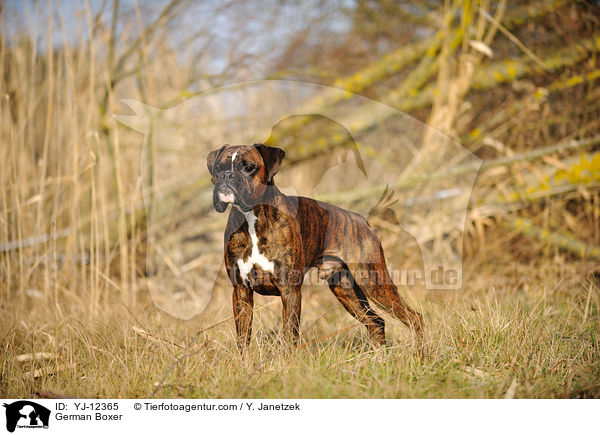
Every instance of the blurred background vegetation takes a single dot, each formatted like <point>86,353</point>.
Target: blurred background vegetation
<point>515,82</point>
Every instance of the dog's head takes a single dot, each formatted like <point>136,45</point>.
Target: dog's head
<point>242,174</point>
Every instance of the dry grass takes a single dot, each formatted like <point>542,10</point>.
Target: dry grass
<point>538,333</point>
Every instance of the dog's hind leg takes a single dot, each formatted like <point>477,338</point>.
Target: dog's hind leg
<point>353,299</point>
<point>379,287</point>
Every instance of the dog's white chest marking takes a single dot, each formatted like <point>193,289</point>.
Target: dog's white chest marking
<point>255,258</point>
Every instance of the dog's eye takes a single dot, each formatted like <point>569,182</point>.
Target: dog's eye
<point>248,168</point>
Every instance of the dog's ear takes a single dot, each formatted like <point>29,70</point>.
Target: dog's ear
<point>212,158</point>
<point>272,157</point>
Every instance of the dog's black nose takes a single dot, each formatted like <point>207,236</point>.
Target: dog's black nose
<point>228,175</point>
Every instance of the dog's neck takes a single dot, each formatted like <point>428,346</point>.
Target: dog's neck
<point>273,197</point>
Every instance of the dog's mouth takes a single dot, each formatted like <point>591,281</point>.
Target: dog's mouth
<point>227,196</point>
<point>224,195</point>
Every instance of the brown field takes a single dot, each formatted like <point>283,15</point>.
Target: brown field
<point>518,335</point>
<point>82,243</point>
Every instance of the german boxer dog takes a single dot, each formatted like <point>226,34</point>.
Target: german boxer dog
<point>271,240</point>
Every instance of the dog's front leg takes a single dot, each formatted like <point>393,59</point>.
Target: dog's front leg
<point>243,303</point>
<point>291,299</point>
